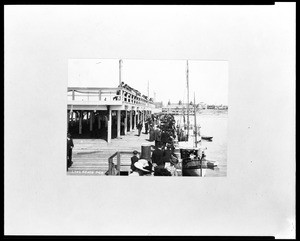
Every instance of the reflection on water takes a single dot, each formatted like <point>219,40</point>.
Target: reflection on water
<point>213,124</point>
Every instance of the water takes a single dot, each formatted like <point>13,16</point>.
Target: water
<point>213,123</point>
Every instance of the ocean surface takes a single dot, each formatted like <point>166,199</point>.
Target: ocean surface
<point>213,123</point>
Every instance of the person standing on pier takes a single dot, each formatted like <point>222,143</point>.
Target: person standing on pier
<point>122,128</point>
<point>157,157</point>
<point>203,160</point>
<point>70,146</point>
<point>157,136</point>
<point>141,168</point>
<point>140,127</point>
<point>164,137</point>
<point>167,153</point>
<point>151,133</point>
<point>134,159</point>
<point>146,126</point>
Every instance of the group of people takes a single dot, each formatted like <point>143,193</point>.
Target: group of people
<point>127,95</point>
<point>129,88</point>
<point>140,167</point>
<point>163,163</point>
<point>149,123</point>
<point>163,132</point>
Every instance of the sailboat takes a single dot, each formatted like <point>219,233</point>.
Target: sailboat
<point>190,149</point>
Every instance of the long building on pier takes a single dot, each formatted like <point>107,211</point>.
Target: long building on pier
<point>105,112</point>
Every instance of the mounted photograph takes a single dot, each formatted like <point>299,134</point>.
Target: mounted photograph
<point>136,117</point>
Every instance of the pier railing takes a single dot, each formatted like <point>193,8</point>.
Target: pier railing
<point>122,95</point>
<point>115,169</point>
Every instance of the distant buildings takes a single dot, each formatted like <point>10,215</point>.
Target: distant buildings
<point>181,108</point>
<point>217,107</point>
<point>158,104</point>
<point>177,109</point>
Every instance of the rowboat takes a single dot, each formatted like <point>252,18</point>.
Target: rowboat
<point>207,138</point>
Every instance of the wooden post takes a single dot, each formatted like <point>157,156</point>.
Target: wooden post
<point>188,98</point>
<point>195,123</point>
<point>91,120</point>
<point>80,122</point>
<point>201,174</point>
<point>109,126</point>
<point>125,129</point>
<point>134,121</point>
<point>130,113</point>
<point>68,115</point>
<point>110,166</point>
<point>72,118</point>
<point>118,124</point>
<point>120,72</point>
<point>119,162</point>
<point>99,122</point>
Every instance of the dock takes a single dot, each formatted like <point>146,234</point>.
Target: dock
<point>90,156</point>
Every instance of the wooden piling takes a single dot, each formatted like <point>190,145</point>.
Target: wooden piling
<point>118,124</point>
<point>109,129</point>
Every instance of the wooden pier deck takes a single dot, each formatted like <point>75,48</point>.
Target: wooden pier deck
<point>90,156</point>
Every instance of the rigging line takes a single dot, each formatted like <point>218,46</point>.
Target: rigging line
<point>182,104</point>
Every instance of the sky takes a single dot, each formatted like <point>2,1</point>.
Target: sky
<point>167,79</point>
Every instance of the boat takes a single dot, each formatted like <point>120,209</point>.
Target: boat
<point>191,162</point>
<point>212,164</point>
<point>190,153</point>
<point>207,138</point>
<point>188,148</point>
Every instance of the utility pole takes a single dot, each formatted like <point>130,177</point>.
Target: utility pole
<point>195,120</point>
<point>148,93</point>
<point>188,100</point>
<point>120,72</point>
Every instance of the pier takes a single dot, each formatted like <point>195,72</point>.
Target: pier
<point>105,113</point>
<point>90,156</point>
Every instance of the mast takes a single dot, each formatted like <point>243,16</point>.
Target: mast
<point>148,93</point>
<point>188,100</point>
<point>120,72</point>
<point>195,126</point>
<point>183,111</point>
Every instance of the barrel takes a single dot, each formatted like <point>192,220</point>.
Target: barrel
<point>146,151</point>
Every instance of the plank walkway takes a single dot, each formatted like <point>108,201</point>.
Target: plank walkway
<point>90,156</point>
